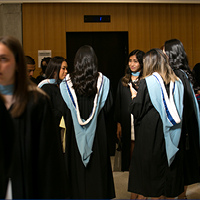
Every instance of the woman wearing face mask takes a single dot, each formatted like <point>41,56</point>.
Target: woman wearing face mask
<point>125,121</point>
<point>37,167</point>
<point>56,71</point>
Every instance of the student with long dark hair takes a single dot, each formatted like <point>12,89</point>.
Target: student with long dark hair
<point>125,121</point>
<point>178,61</point>
<point>56,71</point>
<point>37,168</point>
<point>88,98</point>
<point>158,107</point>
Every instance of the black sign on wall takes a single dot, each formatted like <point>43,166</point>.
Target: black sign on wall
<point>96,18</point>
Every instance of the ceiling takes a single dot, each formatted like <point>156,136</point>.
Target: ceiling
<point>101,1</point>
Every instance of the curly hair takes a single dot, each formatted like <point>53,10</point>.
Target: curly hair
<point>178,58</point>
<point>85,74</point>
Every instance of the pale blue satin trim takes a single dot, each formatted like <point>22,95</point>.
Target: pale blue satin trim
<point>46,81</point>
<point>7,89</point>
<point>172,133</point>
<point>84,133</point>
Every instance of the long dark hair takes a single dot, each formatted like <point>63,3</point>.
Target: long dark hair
<point>85,74</point>
<point>127,77</point>
<point>22,81</point>
<point>54,66</point>
<point>178,58</point>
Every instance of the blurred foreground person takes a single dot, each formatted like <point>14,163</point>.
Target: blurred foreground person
<point>37,168</point>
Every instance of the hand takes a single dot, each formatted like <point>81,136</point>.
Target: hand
<point>119,131</point>
<point>133,91</point>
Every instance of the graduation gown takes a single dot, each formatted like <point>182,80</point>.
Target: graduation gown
<point>6,147</point>
<point>150,174</point>
<point>190,134</point>
<point>96,180</point>
<point>56,100</point>
<point>123,116</point>
<point>38,170</point>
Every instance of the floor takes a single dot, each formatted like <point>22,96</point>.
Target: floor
<point>121,184</point>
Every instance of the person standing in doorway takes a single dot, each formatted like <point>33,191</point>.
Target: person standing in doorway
<point>88,98</point>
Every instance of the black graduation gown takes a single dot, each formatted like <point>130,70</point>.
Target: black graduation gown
<point>6,147</point>
<point>150,174</point>
<point>190,134</point>
<point>38,170</point>
<point>123,116</point>
<point>56,100</point>
<point>96,180</point>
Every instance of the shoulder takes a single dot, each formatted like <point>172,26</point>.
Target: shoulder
<point>120,82</point>
<point>142,83</point>
<point>180,73</point>
<point>48,86</point>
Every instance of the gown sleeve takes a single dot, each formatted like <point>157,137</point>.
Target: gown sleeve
<point>45,169</point>
<point>141,103</point>
<point>109,101</point>
<point>56,100</point>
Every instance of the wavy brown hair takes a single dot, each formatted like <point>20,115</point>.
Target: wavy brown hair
<point>178,59</point>
<point>85,74</point>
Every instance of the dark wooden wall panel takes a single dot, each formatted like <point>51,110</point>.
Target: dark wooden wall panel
<point>149,25</point>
